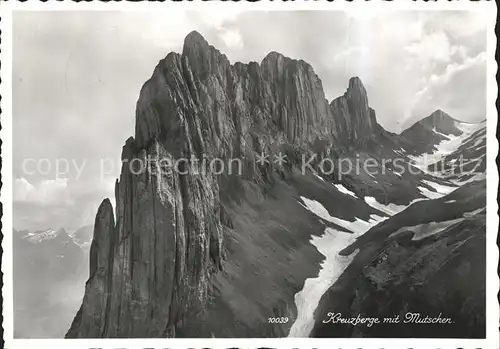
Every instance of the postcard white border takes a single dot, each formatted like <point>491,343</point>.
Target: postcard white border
<point>492,281</point>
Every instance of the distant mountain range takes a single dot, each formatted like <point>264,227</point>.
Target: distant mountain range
<point>50,267</point>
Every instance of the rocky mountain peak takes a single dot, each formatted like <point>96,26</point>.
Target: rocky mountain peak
<point>193,39</point>
<point>203,58</point>
<point>274,61</point>
<point>438,114</point>
<point>196,48</point>
<point>438,121</point>
<point>277,61</point>
<point>356,93</point>
<point>354,119</point>
<point>274,56</point>
<point>431,130</point>
<point>444,123</point>
<point>103,240</point>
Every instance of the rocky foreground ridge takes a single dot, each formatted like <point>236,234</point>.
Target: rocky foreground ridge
<point>200,254</point>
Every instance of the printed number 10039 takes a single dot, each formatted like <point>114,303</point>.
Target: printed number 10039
<point>278,320</point>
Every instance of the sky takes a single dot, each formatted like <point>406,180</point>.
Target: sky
<point>77,77</point>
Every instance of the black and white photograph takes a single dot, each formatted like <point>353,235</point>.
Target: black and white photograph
<point>214,173</point>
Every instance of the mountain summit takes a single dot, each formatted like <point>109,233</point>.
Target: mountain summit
<point>438,121</point>
<point>433,129</point>
<point>354,118</point>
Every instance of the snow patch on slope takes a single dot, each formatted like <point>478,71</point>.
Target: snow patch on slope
<point>318,176</point>
<point>428,193</point>
<point>476,177</point>
<point>473,213</point>
<point>329,244</point>
<point>344,190</point>
<point>440,188</point>
<point>307,300</point>
<point>390,209</point>
<point>358,226</point>
<point>447,146</point>
<point>469,128</point>
<point>422,231</point>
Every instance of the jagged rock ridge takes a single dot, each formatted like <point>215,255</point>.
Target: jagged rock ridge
<point>151,266</point>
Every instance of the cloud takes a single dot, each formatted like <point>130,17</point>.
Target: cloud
<point>435,46</point>
<point>460,90</point>
<point>232,39</point>
<point>45,192</point>
<point>59,203</point>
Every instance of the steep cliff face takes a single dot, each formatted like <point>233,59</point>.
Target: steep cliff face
<point>153,264</point>
<point>160,263</point>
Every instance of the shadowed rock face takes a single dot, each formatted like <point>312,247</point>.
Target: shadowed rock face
<point>153,265</point>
